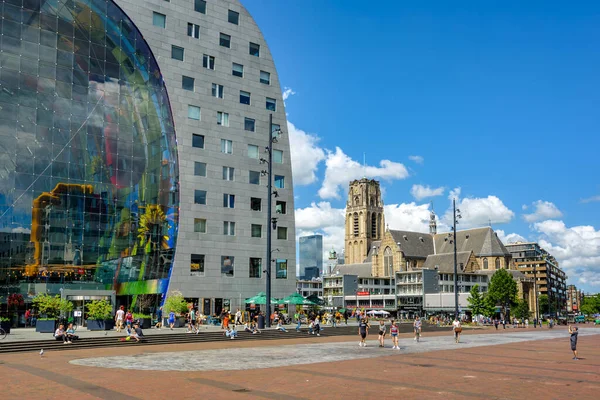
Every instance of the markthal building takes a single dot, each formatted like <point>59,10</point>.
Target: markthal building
<point>133,144</point>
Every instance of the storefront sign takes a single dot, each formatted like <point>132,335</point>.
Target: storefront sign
<point>362,293</point>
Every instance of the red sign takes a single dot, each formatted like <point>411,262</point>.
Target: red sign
<point>362,293</point>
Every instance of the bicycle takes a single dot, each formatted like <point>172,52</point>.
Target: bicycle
<point>2,333</point>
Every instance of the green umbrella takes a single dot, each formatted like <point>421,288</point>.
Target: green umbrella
<point>296,299</point>
<point>260,300</point>
<point>316,300</point>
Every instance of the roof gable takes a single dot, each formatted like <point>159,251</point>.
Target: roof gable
<point>481,241</point>
<point>413,244</point>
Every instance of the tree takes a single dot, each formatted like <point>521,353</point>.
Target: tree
<point>544,304</point>
<point>476,301</point>
<point>590,305</point>
<point>521,309</point>
<point>502,290</point>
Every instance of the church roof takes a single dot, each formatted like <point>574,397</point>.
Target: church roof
<point>482,241</point>
<point>517,275</point>
<point>414,244</point>
<point>375,243</point>
<point>362,270</point>
<point>445,261</point>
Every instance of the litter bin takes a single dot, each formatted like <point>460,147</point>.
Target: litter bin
<point>261,322</point>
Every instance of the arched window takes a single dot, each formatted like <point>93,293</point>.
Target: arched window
<point>497,263</point>
<point>356,229</point>
<point>374,226</point>
<point>388,262</point>
<point>485,263</point>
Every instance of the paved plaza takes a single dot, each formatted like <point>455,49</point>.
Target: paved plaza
<point>511,364</point>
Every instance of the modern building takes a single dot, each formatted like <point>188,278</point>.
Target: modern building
<point>574,299</point>
<point>309,287</point>
<point>132,140</point>
<point>310,256</point>
<point>539,265</point>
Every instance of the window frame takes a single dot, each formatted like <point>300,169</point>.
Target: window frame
<point>283,229</point>
<point>201,165</point>
<point>224,40</point>
<point>243,97</point>
<point>193,30</point>
<point>239,74</point>
<point>201,258</point>
<point>236,16</point>
<point>164,19</point>
<point>228,173</point>
<point>271,101</point>
<point>223,118</point>
<point>283,205</point>
<point>200,221</point>
<point>253,202</point>
<point>192,107</point>
<point>196,135</point>
<point>229,228</point>
<point>279,262</point>
<point>279,158</point>
<point>253,227</point>
<point>200,192</point>
<point>229,201</point>
<point>173,48</point>
<point>208,61</point>
<point>193,81</point>
<point>256,48</point>
<point>257,268</point>
<point>218,91</point>
<point>228,146</point>
<point>267,81</point>
<point>249,120</point>
<point>253,146</point>
<point>256,174</point>
<point>280,178</point>
<point>232,259</point>
<point>200,6</point>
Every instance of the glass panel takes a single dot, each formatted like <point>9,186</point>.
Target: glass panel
<point>254,49</point>
<point>225,40</point>
<point>200,197</point>
<point>255,204</point>
<point>194,112</point>
<point>233,17</point>
<point>279,182</point>
<point>159,20</point>
<point>200,6</point>
<point>237,70</point>
<point>197,264</point>
<point>199,169</point>
<point>227,266</point>
<point>177,53</point>
<point>256,230</point>
<point>198,141</point>
<point>265,77</point>
<point>199,225</point>
<point>244,97</point>
<point>271,104</point>
<point>252,151</point>
<point>281,269</point>
<point>249,124</point>
<point>187,83</point>
<point>278,156</point>
<point>254,177</point>
<point>255,268</point>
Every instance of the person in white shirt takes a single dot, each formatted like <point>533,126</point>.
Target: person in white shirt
<point>119,317</point>
<point>457,328</point>
<point>238,317</point>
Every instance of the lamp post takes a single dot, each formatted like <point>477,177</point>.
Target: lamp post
<point>271,222</point>
<point>535,291</point>
<point>455,259</point>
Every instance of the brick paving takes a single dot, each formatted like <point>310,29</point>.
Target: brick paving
<point>517,370</point>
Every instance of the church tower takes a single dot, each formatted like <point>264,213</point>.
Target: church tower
<point>432,223</point>
<point>364,219</point>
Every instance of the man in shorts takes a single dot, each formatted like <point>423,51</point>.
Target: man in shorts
<point>363,331</point>
<point>574,331</point>
<point>417,328</point>
<point>119,317</point>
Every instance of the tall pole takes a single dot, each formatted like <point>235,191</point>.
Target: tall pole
<point>537,304</point>
<point>269,194</point>
<point>455,265</point>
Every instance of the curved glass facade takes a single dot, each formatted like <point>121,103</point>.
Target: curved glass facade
<point>88,159</point>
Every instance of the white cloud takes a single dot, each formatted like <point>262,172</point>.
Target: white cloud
<point>306,155</point>
<point>509,238</point>
<point>340,169</point>
<point>407,217</point>
<point>590,199</point>
<point>420,192</point>
<point>479,211</point>
<point>543,210</point>
<point>524,207</point>
<point>287,92</point>
<point>417,159</point>
<point>319,216</point>
<point>454,194</point>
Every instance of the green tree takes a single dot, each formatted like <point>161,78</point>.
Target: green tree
<point>502,290</point>
<point>476,301</point>
<point>521,309</point>
<point>590,305</point>
<point>544,304</point>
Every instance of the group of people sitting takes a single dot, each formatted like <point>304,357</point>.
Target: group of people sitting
<point>67,336</point>
<point>251,327</point>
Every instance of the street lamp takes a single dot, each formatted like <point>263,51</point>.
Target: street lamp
<point>455,210</point>
<point>271,222</point>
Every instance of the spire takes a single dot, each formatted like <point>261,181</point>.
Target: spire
<point>365,165</point>
<point>432,223</point>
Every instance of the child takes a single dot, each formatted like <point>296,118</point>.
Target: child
<point>573,330</point>
<point>394,333</point>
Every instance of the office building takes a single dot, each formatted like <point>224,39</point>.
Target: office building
<point>310,256</point>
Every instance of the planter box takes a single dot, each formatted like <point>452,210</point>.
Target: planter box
<point>6,326</point>
<point>179,322</point>
<point>145,323</point>
<point>45,326</point>
<point>100,325</point>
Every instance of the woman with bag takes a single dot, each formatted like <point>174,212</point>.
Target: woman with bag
<point>457,328</point>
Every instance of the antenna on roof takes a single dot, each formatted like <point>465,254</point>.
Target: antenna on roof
<point>365,165</point>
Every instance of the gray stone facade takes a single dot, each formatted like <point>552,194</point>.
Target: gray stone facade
<point>213,244</point>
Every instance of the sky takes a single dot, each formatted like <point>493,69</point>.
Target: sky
<point>495,104</point>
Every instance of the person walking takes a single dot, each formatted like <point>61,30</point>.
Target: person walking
<point>574,331</point>
<point>317,326</point>
<point>346,316</point>
<point>129,318</point>
<point>119,318</point>
<point>496,323</point>
<point>457,328</point>
<point>394,332</point>
<point>417,328</point>
<point>171,320</point>
<point>504,323</point>
<point>158,318</point>
<point>382,330</point>
<point>363,331</point>
<point>299,320</point>
<point>192,321</point>
<point>238,317</point>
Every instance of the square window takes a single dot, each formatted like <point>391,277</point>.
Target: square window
<point>233,17</point>
<point>225,40</point>
<point>279,182</point>
<point>187,83</point>
<point>208,61</point>
<point>200,225</point>
<point>255,267</point>
<point>193,30</point>
<point>227,266</point>
<point>255,204</point>
<point>281,269</point>
<point>226,146</point>
<point>197,141</point>
<point>177,53</point>
<point>194,112</point>
<point>200,197</point>
<point>222,118</point>
<point>249,124</point>
<point>280,207</point>
<point>278,156</point>
<point>256,230</point>
<point>254,49</point>
<point>244,97</point>
<point>197,264</point>
<point>276,130</point>
<point>217,90</point>
<point>199,169</point>
<point>252,151</point>
<point>271,104</point>
<point>282,233</point>
<point>265,77</point>
<point>237,70</point>
<point>228,228</point>
<point>200,6</point>
<point>159,19</point>
<point>228,200</point>
<point>228,173</point>
<point>254,178</point>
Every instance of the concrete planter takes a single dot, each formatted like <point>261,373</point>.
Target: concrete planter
<point>145,323</point>
<point>6,325</point>
<point>100,325</point>
<point>179,322</point>
<point>45,325</point>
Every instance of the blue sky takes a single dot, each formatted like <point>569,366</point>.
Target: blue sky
<point>498,101</point>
